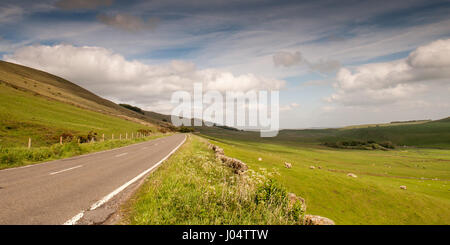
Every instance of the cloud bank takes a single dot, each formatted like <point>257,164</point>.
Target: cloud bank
<point>427,68</point>
<point>111,75</point>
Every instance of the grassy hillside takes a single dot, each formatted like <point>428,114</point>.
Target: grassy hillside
<point>427,134</point>
<point>374,197</point>
<point>57,88</point>
<point>43,107</point>
<point>24,115</point>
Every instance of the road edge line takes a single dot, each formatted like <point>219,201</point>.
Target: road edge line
<point>106,198</point>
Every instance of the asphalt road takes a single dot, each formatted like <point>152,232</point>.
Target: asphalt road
<point>57,191</point>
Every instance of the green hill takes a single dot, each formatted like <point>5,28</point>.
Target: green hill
<point>42,106</point>
<point>427,134</point>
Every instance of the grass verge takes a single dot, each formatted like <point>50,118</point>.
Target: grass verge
<point>193,188</point>
<point>21,156</point>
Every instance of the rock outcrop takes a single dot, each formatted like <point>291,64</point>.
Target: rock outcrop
<point>236,164</point>
<point>294,198</point>
<point>317,220</point>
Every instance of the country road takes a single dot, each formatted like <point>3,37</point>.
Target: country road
<point>60,191</point>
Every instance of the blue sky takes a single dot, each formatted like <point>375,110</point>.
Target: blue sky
<point>168,45</point>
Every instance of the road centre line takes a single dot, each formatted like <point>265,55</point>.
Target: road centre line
<point>64,170</point>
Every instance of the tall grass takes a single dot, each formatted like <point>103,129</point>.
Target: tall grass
<point>192,187</point>
<point>20,156</point>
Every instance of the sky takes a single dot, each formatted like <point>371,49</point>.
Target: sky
<point>335,63</point>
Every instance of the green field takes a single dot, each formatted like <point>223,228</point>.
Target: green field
<point>374,197</point>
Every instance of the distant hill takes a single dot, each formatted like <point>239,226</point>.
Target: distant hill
<point>40,105</point>
<point>433,134</point>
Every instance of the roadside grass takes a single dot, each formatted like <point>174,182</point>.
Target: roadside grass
<point>367,199</point>
<point>21,156</point>
<point>194,188</point>
<point>24,115</point>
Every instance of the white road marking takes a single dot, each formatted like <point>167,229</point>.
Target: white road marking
<point>74,220</point>
<point>64,170</point>
<point>106,198</point>
<point>123,154</point>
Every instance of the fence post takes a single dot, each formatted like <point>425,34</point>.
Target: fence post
<point>126,135</point>
<point>29,142</point>
<point>103,137</point>
<point>60,140</point>
<point>112,136</point>
<point>120,137</point>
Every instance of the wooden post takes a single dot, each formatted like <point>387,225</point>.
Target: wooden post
<point>112,136</point>
<point>60,140</point>
<point>103,137</point>
<point>120,137</point>
<point>78,140</point>
<point>29,143</point>
<point>126,135</point>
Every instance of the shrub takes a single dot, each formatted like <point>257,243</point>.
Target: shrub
<point>184,129</point>
<point>271,193</point>
<point>9,158</point>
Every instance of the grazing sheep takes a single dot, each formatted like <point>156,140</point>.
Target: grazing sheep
<point>287,165</point>
<point>260,159</point>
<point>403,187</point>
<point>352,175</point>
<point>312,167</point>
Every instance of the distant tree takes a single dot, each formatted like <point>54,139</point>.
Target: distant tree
<point>133,108</point>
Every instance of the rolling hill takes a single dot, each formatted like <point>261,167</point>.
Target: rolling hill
<point>42,106</point>
<point>427,134</point>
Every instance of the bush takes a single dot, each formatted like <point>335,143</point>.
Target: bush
<point>362,145</point>
<point>133,108</point>
<point>271,193</point>
<point>184,129</point>
<point>9,158</point>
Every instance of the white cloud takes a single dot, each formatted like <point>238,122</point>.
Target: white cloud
<point>109,74</point>
<point>128,22</point>
<point>423,71</point>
